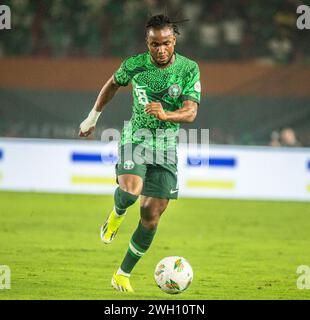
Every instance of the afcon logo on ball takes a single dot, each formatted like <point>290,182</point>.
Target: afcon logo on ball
<point>173,274</point>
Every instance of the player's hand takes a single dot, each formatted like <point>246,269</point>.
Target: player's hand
<point>87,127</point>
<point>156,109</point>
<point>86,133</point>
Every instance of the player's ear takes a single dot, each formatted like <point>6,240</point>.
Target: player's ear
<point>147,40</point>
<point>174,40</point>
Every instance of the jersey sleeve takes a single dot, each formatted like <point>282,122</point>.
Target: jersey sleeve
<point>192,88</point>
<point>123,75</point>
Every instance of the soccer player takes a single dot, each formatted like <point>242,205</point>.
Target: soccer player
<point>166,92</point>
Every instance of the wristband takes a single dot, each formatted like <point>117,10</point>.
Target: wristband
<point>90,121</point>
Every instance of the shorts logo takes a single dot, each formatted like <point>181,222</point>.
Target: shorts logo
<point>197,86</point>
<point>129,165</point>
<point>174,91</point>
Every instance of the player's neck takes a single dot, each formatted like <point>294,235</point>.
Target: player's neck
<point>170,62</point>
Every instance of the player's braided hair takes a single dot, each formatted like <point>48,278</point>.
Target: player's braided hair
<point>161,21</point>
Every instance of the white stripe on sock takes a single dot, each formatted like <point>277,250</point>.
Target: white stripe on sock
<point>134,250</point>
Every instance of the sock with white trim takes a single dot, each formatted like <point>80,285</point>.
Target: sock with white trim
<point>139,243</point>
<point>120,272</point>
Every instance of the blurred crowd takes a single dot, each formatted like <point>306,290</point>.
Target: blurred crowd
<point>216,30</point>
<point>285,138</point>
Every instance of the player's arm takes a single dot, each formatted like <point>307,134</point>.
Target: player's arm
<point>106,94</point>
<point>186,114</point>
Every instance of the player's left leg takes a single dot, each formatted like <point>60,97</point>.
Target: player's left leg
<point>151,210</point>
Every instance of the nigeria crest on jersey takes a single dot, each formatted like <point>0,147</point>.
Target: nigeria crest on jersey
<point>174,91</point>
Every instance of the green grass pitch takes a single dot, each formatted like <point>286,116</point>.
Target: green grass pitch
<point>238,249</point>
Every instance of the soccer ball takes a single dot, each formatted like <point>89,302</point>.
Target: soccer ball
<point>173,274</point>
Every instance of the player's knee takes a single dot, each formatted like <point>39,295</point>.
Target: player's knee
<point>132,190</point>
<point>131,184</point>
<point>150,216</point>
<point>150,224</point>
<point>124,199</point>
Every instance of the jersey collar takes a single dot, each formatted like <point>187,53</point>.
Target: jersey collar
<point>149,61</point>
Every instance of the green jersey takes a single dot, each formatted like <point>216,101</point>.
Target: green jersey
<point>170,86</point>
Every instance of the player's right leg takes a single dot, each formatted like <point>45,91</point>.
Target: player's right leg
<point>130,176</point>
<point>130,187</point>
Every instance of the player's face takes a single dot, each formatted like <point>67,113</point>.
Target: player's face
<point>160,43</point>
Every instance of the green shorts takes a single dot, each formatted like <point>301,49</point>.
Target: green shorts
<point>159,180</point>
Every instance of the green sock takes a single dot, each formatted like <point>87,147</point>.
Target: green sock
<point>141,240</point>
<point>123,200</point>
